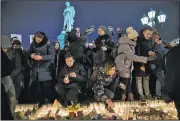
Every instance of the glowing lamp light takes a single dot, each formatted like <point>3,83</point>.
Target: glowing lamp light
<point>161,17</point>
<point>144,20</point>
<point>152,14</point>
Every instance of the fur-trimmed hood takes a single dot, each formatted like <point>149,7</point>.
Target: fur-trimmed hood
<point>44,40</point>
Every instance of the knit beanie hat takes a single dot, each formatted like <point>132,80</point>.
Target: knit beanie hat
<point>131,33</point>
<point>5,42</point>
<point>104,29</point>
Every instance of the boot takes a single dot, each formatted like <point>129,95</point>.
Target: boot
<point>142,98</point>
<point>123,97</point>
<point>130,97</point>
<point>149,97</point>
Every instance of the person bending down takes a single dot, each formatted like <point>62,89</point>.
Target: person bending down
<point>105,83</point>
<point>70,80</point>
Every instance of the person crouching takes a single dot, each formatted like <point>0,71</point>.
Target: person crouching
<point>70,80</point>
<point>105,84</point>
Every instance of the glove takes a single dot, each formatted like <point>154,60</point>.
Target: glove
<point>151,58</point>
<point>104,48</point>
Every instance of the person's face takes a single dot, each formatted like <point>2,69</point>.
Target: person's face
<point>38,39</point>
<point>101,32</point>
<point>69,61</point>
<point>56,45</point>
<point>4,49</point>
<point>147,34</point>
<point>112,71</point>
<point>86,45</point>
<point>15,46</point>
<point>157,41</point>
<point>78,34</point>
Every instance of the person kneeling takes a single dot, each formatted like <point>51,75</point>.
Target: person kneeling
<point>105,83</point>
<point>70,80</point>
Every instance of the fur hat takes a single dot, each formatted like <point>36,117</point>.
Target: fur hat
<point>131,33</point>
<point>5,42</point>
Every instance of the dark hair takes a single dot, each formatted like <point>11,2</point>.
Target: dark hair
<point>68,55</point>
<point>56,42</point>
<point>148,28</point>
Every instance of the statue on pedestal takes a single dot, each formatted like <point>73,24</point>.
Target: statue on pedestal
<point>69,14</point>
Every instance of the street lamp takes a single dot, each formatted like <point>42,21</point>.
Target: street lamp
<point>152,14</point>
<point>150,19</point>
<point>161,18</point>
<point>144,19</point>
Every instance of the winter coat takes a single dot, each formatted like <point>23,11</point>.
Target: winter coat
<point>172,82</point>
<point>17,57</point>
<point>100,56</point>
<point>42,70</point>
<point>102,81</point>
<point>77,45</point>
<point>142,48</point>
<point>126,56</point>
<point>160,51</point>
<point>74,82</point>
<point>6,65</point>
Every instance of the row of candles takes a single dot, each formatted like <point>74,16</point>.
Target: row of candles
<point>125,110</point>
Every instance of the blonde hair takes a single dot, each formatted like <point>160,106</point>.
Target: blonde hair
<point>108,66</point>
<point>131,33</point>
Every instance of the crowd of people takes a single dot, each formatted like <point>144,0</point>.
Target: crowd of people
<point>71,74</point>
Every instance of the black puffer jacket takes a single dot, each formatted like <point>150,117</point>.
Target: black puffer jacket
<point>74,82</point>
<point>44,68</point>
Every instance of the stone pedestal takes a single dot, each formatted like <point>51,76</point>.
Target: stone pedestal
<point>61,39</point>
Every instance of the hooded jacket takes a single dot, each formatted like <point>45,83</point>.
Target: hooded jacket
<point>126,56</point>
<point>76,45</point>
<point>100,55</point>
<point>42,70</point>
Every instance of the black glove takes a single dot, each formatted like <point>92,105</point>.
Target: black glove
<point>151,58</point>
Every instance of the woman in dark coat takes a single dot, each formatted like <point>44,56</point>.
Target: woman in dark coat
<point>105,83</point>
<point>56,59</point>
<point>103,46</point>
<point>42,55</point>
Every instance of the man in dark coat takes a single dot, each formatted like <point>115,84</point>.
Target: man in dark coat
<point>143,48</point>
<point>172,77</point>
<point>70,80</point>
<point>42,55</point>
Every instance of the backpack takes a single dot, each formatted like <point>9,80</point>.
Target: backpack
<point>114,52</point>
